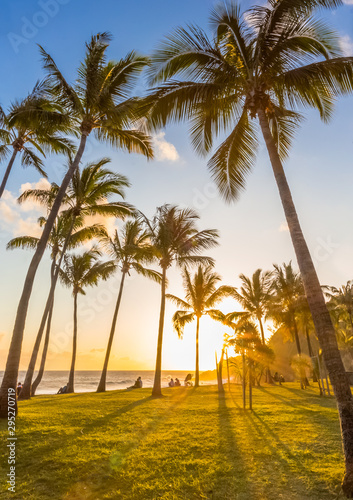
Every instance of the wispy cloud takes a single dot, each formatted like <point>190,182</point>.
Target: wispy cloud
<point>348,2</point>
<point>19,220</point>
<point>283,227</point>
<point>164,150</point>
<point>346,44</point>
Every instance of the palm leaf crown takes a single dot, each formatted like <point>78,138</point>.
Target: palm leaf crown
<point>100,99</point>
<point>277,58</point>
<point>175,237</point>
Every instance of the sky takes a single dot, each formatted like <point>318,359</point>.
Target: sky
<point>253,230</point>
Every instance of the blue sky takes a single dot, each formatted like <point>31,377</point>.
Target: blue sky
<point>253,232</point>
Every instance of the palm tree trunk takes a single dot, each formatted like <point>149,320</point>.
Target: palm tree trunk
<point>70,385</point>
<point>250,385</point>
<point>156,391</point>
<point>262,330</point>
<point>26,391</point>
<point>39,377</point>
<point>197,371</point>
<point>101,385</point>
<point>13,359</point>
<point>321,316</point>
<point>8,171</point>
<point>243,380</point>
<point>310,349</point>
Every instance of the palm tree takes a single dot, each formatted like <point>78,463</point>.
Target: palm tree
<point>341,300</point>
<point>287,300</point>
<point>175,239</point>
<point>32,128</point>
<point>130,251</point>
<point>79,272</point>
<point>97,103</point>
<point>202,295</point>
<point>254,296</point>
<point>89,194</point>
<point>58,243</point>
<point>268,65</point>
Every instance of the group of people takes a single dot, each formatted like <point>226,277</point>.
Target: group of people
<point>176,382</point>
<point>278,378</point>
<point>62,390</point>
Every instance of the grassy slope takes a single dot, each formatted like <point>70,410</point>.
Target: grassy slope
<point>189,445</point>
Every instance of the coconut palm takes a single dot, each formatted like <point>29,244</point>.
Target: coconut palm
<point>201,295</point>
<point>267,66</point>
<point>130,251</point>
<point>176,240</point>
<point>58,243</point>
<point>97,103</point>
<point>287,300</point>
<point>79,272</point>
<point>254,295</point>
<point>32,129</point>
<point>89,194</point>
<point>340,300</point>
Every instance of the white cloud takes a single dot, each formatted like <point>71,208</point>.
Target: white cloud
<point>283,227</point>
<point>346,44</point>
<point>20,220</point>
<point>164,150</point>
<point>348,2</point>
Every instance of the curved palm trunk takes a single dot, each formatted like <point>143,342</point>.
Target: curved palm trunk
<point>39,377</point>
<point>26,391</point>
<point>8,171</point>
<point>197,370</point>
<point>13,359</point>
<point>321,316</point>
<point>101,385</point>
<point>70,385</point>
<point>156,391</point>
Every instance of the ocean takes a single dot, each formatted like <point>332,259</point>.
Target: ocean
<point>87,381</point>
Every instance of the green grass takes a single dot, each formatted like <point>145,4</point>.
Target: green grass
<point>192,444</point>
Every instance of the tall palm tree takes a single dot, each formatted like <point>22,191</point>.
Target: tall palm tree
<point>130,251</point>
<point>97,103</point>
<point>268,65</point>
<point>175,239</point>
<point>79,272</point>
<point>254,295</point>
<point>201,295</point>
<point>58,243</point>
<point>89,194</point>
<point>32,129</point>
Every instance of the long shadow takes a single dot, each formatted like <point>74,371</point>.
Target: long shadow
<point>226,486</point>
<point>117,457</point>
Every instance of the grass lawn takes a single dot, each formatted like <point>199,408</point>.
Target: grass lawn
<point>192,444</point>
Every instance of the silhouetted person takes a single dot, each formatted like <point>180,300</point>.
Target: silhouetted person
<point>19,387</point>
<point>177,383</point>
<point>187,381</point>
<point>171,383</point>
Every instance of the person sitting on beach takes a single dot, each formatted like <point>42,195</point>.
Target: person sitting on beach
<point>19,387</point>
<point>177,383</point>
<point>137,385</point>
<point>187,381</point>
<point>171,383</point>
<point>62,390</point>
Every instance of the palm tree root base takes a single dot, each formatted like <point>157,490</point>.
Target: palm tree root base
<point>347,484</point>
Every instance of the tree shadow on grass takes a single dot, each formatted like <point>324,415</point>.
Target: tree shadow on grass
<point>295,475</point>
<point>101,471</point>
<point>231,475</point>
